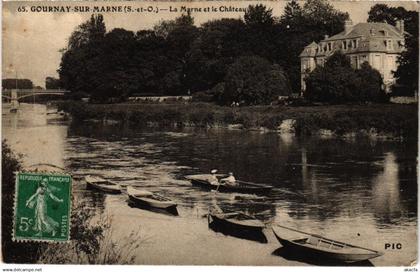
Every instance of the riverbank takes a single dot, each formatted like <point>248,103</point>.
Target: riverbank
<point>378,120</point>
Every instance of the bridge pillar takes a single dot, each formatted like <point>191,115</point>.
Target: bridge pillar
<point>14,100</point>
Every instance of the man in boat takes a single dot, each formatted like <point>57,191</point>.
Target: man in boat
<point>230,180</point>
<point>213,178</point>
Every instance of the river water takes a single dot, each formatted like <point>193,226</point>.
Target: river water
<point>361,191</point>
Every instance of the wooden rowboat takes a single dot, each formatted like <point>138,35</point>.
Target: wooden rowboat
<point>240,187</point>
<point>149,199</point>
<point>103,185</point>
<point>237,224</point>
<point>312,245</point>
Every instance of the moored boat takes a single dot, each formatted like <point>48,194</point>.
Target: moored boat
<point>237,224</point>
<point>313,245</point>
<point>103,185</point>
<point>240,186</point>
<point>149,199</point>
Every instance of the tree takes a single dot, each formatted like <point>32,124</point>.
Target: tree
<point>253,80</point>
<point>292,14</point>
<point>321,15</point>
<point>258,16</point>
<point>81,60</point>
<point>52,83</point>
<point>337,60</point>
<point>370,84</point>
<point>407,73</point>
<point>13,83</point>
<point>260,31</point>
<point>299,27</point>
<point>220,42</point>
<point>383,13</point>
<point>117,77</point>
<point>179,36</point>
<point>88,32</point>
<point>337,82</point>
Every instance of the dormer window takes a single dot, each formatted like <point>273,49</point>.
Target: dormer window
<point>383,32</point>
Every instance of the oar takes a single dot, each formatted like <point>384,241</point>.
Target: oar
<point>217,188</point>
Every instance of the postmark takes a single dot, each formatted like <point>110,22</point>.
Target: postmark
<point>42,207</point>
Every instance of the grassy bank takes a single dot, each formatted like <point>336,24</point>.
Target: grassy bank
<point>387,119</point>
<point>92,242</point>
<point>13,252</point>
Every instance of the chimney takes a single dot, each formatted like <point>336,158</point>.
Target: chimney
<point>326,37</point>
<point>348,24</point>
<point>400,26</point>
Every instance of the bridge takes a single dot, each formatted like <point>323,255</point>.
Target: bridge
<point>14,95</point>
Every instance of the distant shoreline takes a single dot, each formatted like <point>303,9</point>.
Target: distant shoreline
<point>372,120</point>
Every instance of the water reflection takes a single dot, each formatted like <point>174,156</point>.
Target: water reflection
<point>386,191</point>
<point>319,178</point>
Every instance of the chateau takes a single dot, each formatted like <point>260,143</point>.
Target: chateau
<point>377,43</point>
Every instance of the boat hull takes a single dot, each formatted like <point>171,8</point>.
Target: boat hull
<point>310,252</point>
<point>105,189</point>
<point>236,230</point>
<point>141,201</point>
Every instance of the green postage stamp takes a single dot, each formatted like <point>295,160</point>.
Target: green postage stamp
<point>42,207</point>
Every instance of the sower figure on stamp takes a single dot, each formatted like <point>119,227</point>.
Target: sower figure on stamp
<point>43,223</point>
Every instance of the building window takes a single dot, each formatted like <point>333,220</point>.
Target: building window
<point>354,62</point>
<point>389,44</point>
<point>345,45</point>
<point>363,59</point>
<point>329,47</point>
<point>354,43</point>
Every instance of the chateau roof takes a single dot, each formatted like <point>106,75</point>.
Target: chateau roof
<point>371,37</point>
<point>368,31</point>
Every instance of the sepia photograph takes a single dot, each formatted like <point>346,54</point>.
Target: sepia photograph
<point>231,133</point>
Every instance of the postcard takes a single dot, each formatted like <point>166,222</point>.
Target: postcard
<point>233,133</point>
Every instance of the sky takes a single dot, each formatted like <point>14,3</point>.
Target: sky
<point>32,40</point>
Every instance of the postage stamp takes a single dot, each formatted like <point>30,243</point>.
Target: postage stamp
<point>42,207</point>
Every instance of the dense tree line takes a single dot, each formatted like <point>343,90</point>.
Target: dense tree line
<point>176,57</point>
<point>52,83</point>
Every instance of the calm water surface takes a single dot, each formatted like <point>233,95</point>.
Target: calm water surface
<point>360,191</point>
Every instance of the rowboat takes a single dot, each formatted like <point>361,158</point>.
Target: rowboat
<point>240,186</point>
<point>103,185</point>
<point>149,199</point>
<point>237,224</point>
<point>312,245</point>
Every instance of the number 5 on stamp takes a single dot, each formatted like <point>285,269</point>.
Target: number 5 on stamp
<point>42,207</point>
